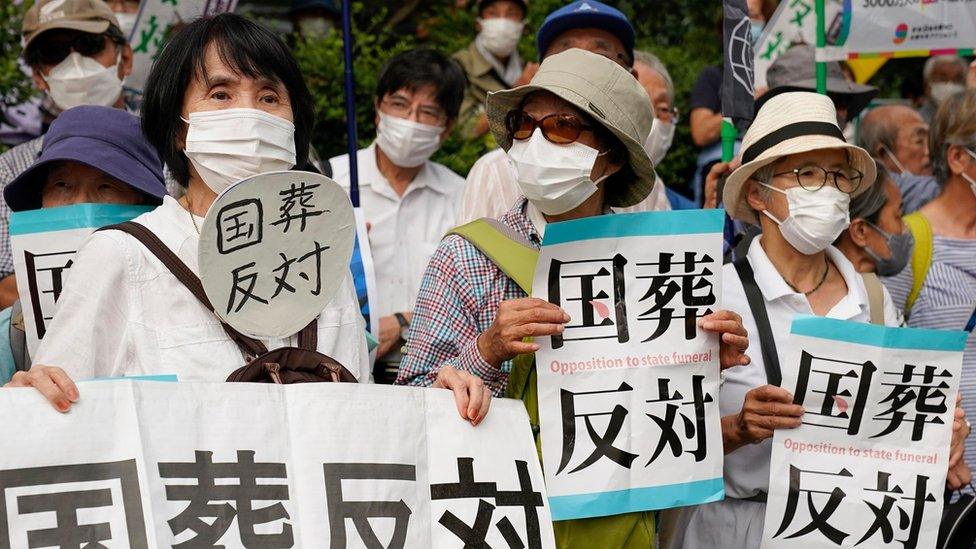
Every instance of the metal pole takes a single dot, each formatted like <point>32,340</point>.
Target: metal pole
<point>347,45</point>
<point>821,43</point>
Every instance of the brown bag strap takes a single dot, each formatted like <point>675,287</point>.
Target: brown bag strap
<point>307,337</point>
<point>249,346</point>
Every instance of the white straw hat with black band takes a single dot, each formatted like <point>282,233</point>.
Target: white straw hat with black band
<point>788,124</point>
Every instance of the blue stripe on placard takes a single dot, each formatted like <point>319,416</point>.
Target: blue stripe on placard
<point>168,378</point>
<point>602,504</point>
<point>77,216</point>
<point>879,336</point>
<point>635,224</point>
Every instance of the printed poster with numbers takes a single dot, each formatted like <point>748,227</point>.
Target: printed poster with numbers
<point>867,468</point>
<point>628,393</point>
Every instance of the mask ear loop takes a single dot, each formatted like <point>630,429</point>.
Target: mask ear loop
<point>766,212</point>
<point>894,160</point>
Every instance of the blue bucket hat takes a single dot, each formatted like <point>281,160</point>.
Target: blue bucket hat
<point>104,138</point>
<point>585,14</point>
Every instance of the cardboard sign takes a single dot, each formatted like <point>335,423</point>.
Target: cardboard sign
<point>146,464</point>
<point>275,249</point>
<point>867,468</point>
<point>628,393</point>
<point>44,243</point>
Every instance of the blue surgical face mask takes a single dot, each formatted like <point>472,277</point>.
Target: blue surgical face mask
<point>756,27</point>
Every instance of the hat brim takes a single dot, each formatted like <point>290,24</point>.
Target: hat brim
<point>24,192</point>
<point>734,196</point>
<point>94,26</point>
<point>500,103</point>
<point>856,96</point>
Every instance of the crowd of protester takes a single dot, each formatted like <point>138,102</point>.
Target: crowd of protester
<point>815,216</point>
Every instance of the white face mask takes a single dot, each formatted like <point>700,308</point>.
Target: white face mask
<point>500,35</point>
<point>127,21</point>
<point>80,80</point>
<point>659,140</point>
<point>555,178</point>
<point>406,143</point>
<point>228,145</point>
<point>970,180</point>
<point>940,91</point>
<point>816,218</point>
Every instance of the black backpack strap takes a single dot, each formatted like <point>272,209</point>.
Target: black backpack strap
<point>758,307</point>
<point>250,346</point>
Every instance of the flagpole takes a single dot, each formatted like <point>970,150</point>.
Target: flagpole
<point>353,145</point>
<point>821,44</point>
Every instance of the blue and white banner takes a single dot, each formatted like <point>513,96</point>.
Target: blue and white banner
<point>867,467</point>
<point>628,393</point>
<point>44,243</point>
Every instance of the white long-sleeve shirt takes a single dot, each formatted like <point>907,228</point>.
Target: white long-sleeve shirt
<point>122,313</point>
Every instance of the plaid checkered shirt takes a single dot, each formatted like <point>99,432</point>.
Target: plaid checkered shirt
<point>13,163</point>
<point>458,300</point>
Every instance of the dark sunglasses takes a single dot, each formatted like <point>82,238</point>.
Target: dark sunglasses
<point>52,52</point>
<point>561,129</point>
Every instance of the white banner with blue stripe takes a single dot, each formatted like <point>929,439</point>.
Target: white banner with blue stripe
<point>867,467</point>
<point>44,243</point>
<point>628,393</point>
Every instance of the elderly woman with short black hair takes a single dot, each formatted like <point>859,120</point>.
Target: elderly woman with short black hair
<point>225,101</point>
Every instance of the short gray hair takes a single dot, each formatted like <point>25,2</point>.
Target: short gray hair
<point>879,130</point>
<point>655,63</point>
<point>867,204</point>
<point>937,60</point>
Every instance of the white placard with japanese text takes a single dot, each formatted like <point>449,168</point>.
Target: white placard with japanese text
<point>156,22</point>
<point>795,21</point>
<point>628,392</point>
<point>43,243</point>
<point>867,468</point>
<point>150,464</point>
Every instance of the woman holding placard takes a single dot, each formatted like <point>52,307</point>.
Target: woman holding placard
<point>797,179</point>
<point>225,101</point>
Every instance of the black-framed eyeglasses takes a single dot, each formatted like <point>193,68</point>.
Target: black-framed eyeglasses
<point>52,52</point>
<point>812,178</point>
<point>561,129</point>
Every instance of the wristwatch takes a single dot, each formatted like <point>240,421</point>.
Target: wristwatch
<point>404,325</point>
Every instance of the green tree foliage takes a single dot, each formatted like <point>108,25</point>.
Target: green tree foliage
<point>15,86</point>
<point>682,32</point>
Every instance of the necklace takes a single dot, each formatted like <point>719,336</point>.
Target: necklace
<point>193,218</point>
<point>819,284</point>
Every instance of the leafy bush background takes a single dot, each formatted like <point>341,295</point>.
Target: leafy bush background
<point>683,33</point>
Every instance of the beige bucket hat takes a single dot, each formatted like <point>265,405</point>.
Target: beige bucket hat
<point>790,123</point>
<point>602,89</point>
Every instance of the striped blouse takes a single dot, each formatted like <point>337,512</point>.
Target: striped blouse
<point>945,303</point>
